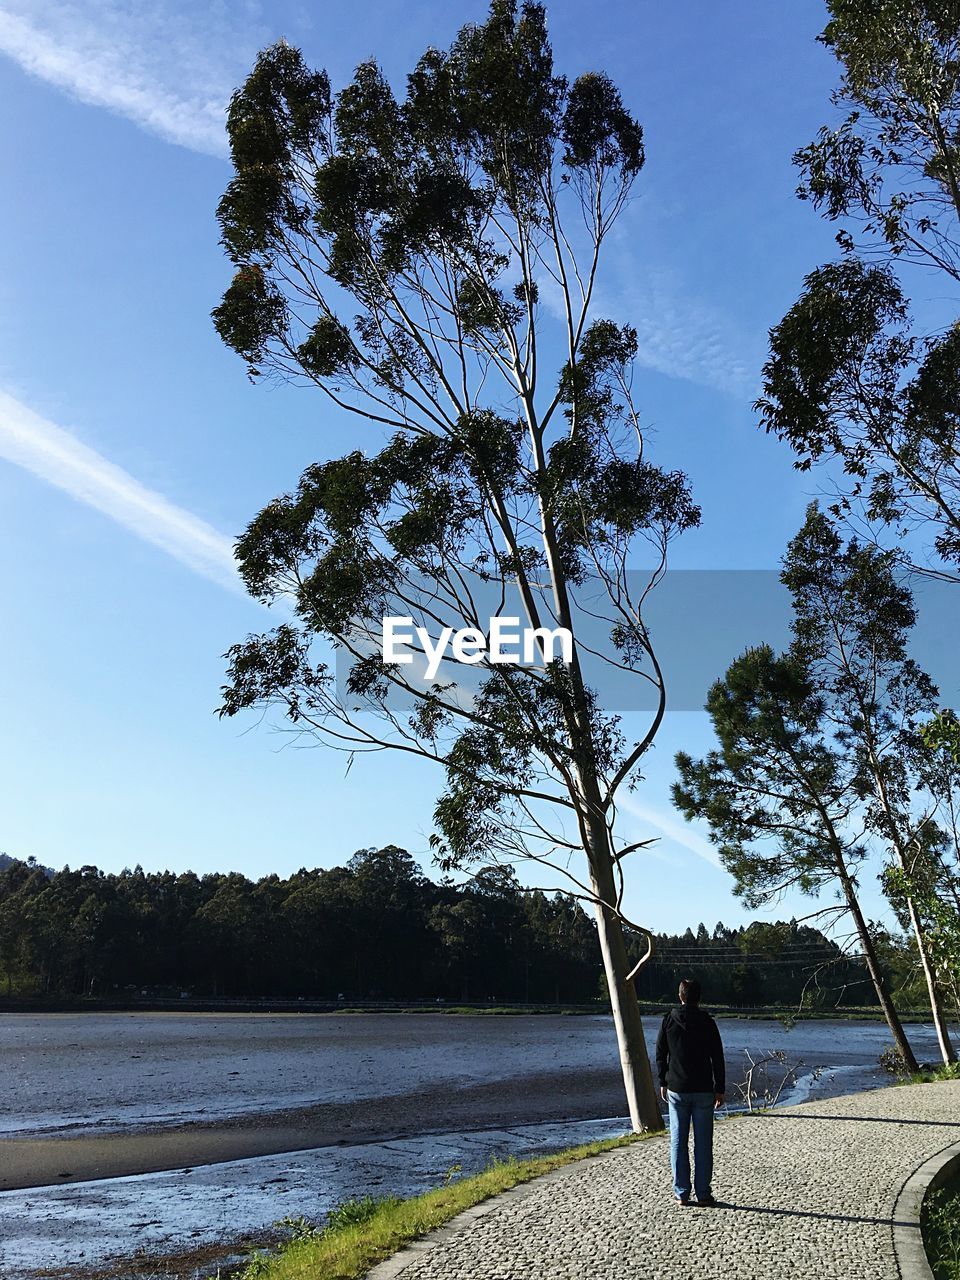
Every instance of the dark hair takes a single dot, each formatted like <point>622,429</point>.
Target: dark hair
<point>690,991</point>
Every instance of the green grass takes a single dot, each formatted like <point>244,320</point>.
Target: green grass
<point>361,1233</point>
<point>948,1071</point>
<point>940,1225</point>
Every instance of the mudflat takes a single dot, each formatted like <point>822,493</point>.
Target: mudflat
<point>529,1099</point>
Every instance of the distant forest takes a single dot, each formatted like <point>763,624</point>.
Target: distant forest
<point>376,929</point>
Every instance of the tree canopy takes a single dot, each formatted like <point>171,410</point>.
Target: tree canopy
<point>851,376</point>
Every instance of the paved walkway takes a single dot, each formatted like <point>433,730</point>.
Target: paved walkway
<point>808,1192</point>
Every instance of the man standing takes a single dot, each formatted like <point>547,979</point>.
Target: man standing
<point>692,1082</point>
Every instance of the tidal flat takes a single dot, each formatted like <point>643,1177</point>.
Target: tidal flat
<point>168,1133</point>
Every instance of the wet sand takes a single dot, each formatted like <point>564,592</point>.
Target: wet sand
<point>182,1225</point>
<point>530,1099</point>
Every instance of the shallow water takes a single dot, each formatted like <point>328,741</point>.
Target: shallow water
<point>76,1073</point>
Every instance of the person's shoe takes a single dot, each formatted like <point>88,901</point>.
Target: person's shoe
<point>682,1201</point>
<point>707,1202</point>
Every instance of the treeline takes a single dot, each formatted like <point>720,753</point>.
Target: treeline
<point>783,963</point>
<point>375,929</point>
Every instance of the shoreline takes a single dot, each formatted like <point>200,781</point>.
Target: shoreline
<point>298,1008</point>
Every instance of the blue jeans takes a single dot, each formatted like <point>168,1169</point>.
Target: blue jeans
<point>685,1107</point>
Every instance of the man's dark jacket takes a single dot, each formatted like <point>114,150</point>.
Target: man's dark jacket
<point>689,1052</point>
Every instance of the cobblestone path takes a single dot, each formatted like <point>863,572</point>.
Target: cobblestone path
<point>805,1192</point>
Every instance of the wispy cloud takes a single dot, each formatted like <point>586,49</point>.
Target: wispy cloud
<point>679,334</point>
<point>57,457</point>
<point>170,73</point>
<point>676,831</point>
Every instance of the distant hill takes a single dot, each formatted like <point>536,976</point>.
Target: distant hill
<point>6,860</point>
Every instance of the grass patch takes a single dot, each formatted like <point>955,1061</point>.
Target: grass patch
<point>946,1071</point>
<point>361,1233</point>
<point>940,1226</point>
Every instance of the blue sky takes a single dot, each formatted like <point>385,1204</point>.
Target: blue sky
<point>133,449</point>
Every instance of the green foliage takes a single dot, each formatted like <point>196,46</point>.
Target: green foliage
<point>259,1264</point>
<point>273,666</point>
<point>251,315</point>
<point>775,792</point>
<point>354,1213</point>
<point>759,965</point>
<point>820,763</point>
<point>838,350</point>
<point>854,616</point>
<point>112,936</point>
<point>299,1228</point>
<point>930,1075</point>
<point>941,734</point>
<point>597,130</point>
<point>378,185</point>
<point>88,933</point>
<point>327,350</point>
<point>934,890</point>
<point>940,1226</point>
<point>894,160</point>
<point>848,378</point>
<point>428,217</point>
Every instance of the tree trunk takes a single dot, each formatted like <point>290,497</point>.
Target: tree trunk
<point>637,1077</point>
<point>873,968</point>
<point>642,1098</point>
<point>933,987</point>
<point>895,836</point>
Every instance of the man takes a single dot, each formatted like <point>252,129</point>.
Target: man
<point>692,1082</point>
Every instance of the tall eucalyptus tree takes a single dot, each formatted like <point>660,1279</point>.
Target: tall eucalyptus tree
<point>853,615</point>
<point>428,263</point>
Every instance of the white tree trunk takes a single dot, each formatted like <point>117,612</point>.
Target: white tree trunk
<point>933,988</point>
<point>638,1080</point>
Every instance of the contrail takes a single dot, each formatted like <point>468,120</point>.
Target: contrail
<point>673,829</point>
<point>46,450</point>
